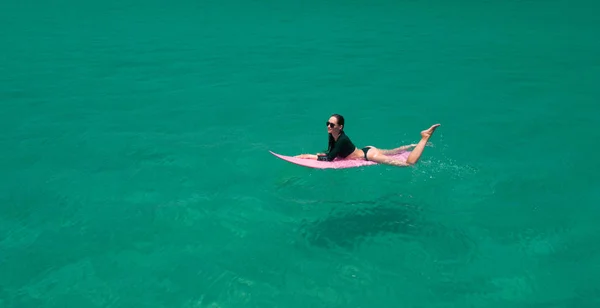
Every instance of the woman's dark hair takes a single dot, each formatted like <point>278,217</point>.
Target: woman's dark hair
<point>340,120</point>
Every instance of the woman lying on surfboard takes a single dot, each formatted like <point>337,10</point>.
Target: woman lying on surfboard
<point>341,146</point>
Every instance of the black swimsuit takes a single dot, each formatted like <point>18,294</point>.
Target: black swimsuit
<point>365,150</point>
<point>342,148</point>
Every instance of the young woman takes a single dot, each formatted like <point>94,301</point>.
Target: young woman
<point>341,146</point>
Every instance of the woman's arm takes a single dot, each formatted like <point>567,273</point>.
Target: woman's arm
<point>307,156</point>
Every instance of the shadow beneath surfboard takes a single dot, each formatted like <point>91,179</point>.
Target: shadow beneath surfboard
<point>350,226</point>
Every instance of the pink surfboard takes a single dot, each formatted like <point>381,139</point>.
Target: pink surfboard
<point>336,163</point>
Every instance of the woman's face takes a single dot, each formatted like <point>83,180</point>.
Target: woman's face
<point>332,125</point>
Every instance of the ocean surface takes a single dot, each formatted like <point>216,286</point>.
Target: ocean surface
<point>135,165</point>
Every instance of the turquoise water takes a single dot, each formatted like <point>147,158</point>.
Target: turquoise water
<point>136,171</point>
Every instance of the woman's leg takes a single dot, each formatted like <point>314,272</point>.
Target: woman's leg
<point>380,156</point>
<point>401,149</point>
<point>414,156</point>
<point>397,150</point>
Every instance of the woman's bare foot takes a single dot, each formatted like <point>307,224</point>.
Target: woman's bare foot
<point>428,132</point>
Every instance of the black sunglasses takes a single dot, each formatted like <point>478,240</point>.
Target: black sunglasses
<point>332,125</point>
